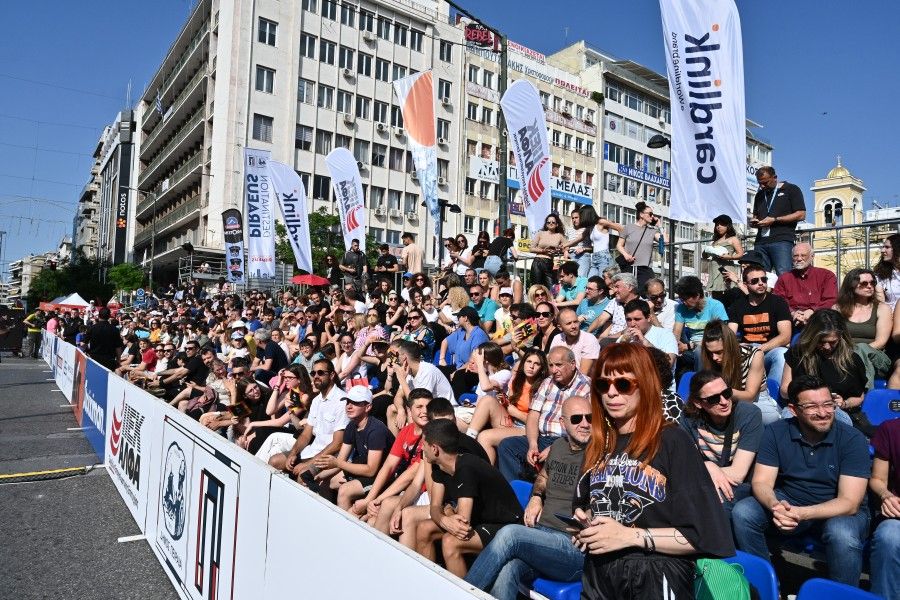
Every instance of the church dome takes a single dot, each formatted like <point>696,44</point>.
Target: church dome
<point>838,171</point>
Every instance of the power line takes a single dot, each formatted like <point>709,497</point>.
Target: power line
<point>57,124</point>
<point>46,149</point>
<point>76,185</point>
<point>60,87</point>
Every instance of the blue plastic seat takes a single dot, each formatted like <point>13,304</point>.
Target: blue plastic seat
<point>467,399</point>
<point>759,573</point>
<point>880,384</point>
<point>557,590</point>
<point>684,385</point>
<point>522,490</point>
<point>881,405</point>
<point>825,589</point>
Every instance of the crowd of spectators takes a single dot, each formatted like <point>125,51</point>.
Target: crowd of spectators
<point>414,407</point>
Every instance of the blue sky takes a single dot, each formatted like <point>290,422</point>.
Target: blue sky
<point>820,76</point>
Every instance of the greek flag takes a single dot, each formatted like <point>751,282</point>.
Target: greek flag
<point>159,102</point>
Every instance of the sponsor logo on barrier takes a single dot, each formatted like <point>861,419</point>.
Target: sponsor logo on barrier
<point>173,500</point>
<point>125,442</point>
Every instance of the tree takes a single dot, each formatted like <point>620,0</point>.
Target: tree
<point>82,276</point>
<point>325,238</point>
<point>125,277</point>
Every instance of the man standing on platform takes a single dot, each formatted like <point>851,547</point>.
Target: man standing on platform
<point>777,208</point>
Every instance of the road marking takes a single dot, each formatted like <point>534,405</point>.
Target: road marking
<point>132,538</point>
<point>75,428</point>
<point>65,406</point>
<point>52,379</point>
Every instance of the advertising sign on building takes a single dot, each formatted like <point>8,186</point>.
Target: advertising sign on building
<point>483,169</point>
<point>123,194</point>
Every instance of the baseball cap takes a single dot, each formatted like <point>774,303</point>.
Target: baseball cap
<point>506,291</point>
<point>755,257</point>
<point>723,220</point>
<point>407,275</point>
<point>237,324</point>
<point>470,313</point>
<point>237,335</point>
<point>359,393</point>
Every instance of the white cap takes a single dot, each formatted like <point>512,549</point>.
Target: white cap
<point>237,324</point>
<point>359,393</point>
<point>506,290</point>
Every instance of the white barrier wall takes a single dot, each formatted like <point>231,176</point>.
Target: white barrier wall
<point>221,522</point>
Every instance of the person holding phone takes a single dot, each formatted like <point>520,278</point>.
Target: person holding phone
<point>636,244</point>
<point>777,208</point>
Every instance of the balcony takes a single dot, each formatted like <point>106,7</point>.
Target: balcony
<point>188,96</point>
<point>175,182</point>
<point>187,129</point>
<point>175,218</point>
<point>186,57</point>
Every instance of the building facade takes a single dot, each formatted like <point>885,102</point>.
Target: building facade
<point>86,224</point>
<point>117,190</point>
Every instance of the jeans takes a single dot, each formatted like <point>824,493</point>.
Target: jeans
<point>520,554</point>
<point>599,262</point>
<point>511,454</point>
<point>492,264</point>
<point>778,253</point>
<point>768,407</point>
<point>774,363</point>
<point>885,560</point>
<point>843,537</point>
<point>584,263</point>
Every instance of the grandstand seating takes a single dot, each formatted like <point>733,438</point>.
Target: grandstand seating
<point>825,589</point>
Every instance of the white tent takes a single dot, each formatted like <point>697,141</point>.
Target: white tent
<point>72,300</point>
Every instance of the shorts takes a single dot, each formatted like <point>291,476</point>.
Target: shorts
<point>423,500</point>
<point>365,481</point>
<point>464,413</point>
<point>487,531</point>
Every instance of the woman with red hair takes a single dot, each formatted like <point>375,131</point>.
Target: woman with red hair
<point>646,502</point>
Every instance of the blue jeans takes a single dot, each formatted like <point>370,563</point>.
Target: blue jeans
<point>600,260</point>
<point>520,554</point>
<point>511,454</point>
<point>778,253</point>
<point>774,363</point>
<point>843,537</point>
<point>885,560</point>
<point>584,262</point>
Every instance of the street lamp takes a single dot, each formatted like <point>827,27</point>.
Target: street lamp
<point>443,205</point>
<point>656,142</point>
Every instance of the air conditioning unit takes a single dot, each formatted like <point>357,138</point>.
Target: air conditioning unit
<point>442,142</point>
<point>445,101</point>
<point>414,176</point>
<point>361,165</point>
<point>483,196</point>
<point>368,36</point>
<point>442,181</point>
<point>348,73</point>
<point>398,131</point>
<point>412,215</point>
<point>380,211</point>
<point>381,127</point>
<point>349,119</point>
<point>396,213</point>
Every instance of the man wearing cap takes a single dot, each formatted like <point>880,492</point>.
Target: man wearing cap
<point>365,446</point>
<point>777,208</point>
<point>459,344</point>
<point>484,306</point>
<point>411,256</point>
<point>805,287</point>
<point>502,317</point>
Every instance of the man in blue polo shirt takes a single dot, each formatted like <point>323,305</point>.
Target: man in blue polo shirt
<point>810,479</point>
<point>484,305</point>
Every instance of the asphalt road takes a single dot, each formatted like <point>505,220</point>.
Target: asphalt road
<point>59,538</point>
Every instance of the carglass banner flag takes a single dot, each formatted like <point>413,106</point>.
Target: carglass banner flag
<point>292,201</point>
<point>528,131</point>
<point>415,95</point>
<point>260,214</point>
<point>349,194</point>
<point>233,226</point>
<point>705,62</point>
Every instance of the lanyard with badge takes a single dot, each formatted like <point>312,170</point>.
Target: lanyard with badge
<point>764,232</point>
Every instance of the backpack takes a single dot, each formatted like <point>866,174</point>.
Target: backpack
<point>718,580</point>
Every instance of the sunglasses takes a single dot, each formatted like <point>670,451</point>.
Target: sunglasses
<point>475,294</point>
<point>321,373</point>
<point>756,280</point>
<point>716,398</point>
<point>624,385</point>
<point>545,314</point>
<point>656,297</point>
<point>415,317</point>
<point>576,419</point>
<point>539,294</point>
<point>865,284</point>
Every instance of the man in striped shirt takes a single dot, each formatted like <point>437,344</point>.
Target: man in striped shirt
<point>543,427</point>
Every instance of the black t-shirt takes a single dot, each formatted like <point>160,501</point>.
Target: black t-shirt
<point>356,260</point>
<point>479,253</point>
<point>787,199</point>
<point>275,352</point>
<point>851,384</point>
<point>197,371</point>
<point>103,340</point>
<point>758,324</point>
<point>500,246</point>
<point>386,260</point>
<point>469,446</point>
<point>495,501</point>
<point>374,436</point>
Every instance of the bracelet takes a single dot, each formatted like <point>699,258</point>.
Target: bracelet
<point>649,542</point>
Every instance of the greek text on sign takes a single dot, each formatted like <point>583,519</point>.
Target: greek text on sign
<point>642,175</point>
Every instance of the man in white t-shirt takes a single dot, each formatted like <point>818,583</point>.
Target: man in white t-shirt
<point>640,330</point>
<point>663,306</point>
<point>413,373</point>
<point>583,345</point>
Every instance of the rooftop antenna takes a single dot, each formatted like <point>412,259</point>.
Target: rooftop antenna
<point>128,96</point>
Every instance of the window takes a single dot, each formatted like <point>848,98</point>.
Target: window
<point>303,137</point>
<point>485,189</point>
<point>329,9</point>
<point>377,234</point>
<point>557,103</point>
<point>323,141</point>
<point>473,73</point>
<point>362,107</point>
<point>309,5</point>
<point>471,147</point>
<point>545,99</point>
<point>379,111</point>
<point>612,182</point>
<point>484,225</point>
<point>632,187</point>
<point>415,39</point>
<point>308,46</point>
<point>470,186</point>
<point>443,89</point>
<point>321,187</point>
<point>687,259</point>
<point>567,141</point>
<point>344,102</point>
<point>469,225</point>
<point>326,96</point>
<point>613,122</point>
<point>267,31</point>
<point>366,20</point>
<point>394,198</point>
<point>396,116</point>
<point>443,129</point>
<point>348,14</point>
<point>262,128</point>
<point>396,160</point>
<point>345,58</point>
<point>409,202</point>
<point>487,116</point>
<point>376,197</point>
<point>364,64</point>
<point>488,79</point>
<point>632,158</point>
<point>443,166</point>
<point>400,34</point>
<point>486,151</point>
<point>384,28</point>
<point>579,145</point>
<point>342,141</point>
<point>579,112</point>
<point>567,176</point>
<point>446,51</point>
<point>399,72</point>
<point>472,111</point>
<point>361,151</point>
<point>611,212</point>
<point>392,238</point>
<point>306,91</point>
<point>589,178</point>
<point>379,151</point>
<point>265,80</point>
<point>589,148</point>
<point>554,137</point>
<point>326,52</point>
<point>410,167</point>
<point>382,68</point>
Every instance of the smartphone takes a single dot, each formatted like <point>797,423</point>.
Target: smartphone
<point>722,270</point>
<point>569,520</point>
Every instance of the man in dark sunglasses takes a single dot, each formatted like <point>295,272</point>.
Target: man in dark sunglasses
<point>542,542</point>
<point>763,320</point>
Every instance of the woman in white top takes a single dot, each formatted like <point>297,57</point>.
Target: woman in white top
<point>577,247</point>
<point>887,271</point>
<point>597,230</point>
<point>464,258</point>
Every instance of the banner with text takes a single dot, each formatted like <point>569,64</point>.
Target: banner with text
<point>260,214</point>
<point>349,195</point>
<point>415,95</point>
<point>528,132</point>
<point>705,62</point>
<point>292,200</point>
<point>233,228</point>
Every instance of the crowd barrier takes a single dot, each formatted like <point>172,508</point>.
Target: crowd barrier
<point>222,523</point>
